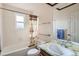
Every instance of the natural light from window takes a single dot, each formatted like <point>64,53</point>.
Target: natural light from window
<point>20,21</point>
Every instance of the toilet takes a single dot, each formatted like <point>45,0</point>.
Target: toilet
<point>33,52</point>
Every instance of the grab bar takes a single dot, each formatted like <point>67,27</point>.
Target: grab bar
<point>46,35</point>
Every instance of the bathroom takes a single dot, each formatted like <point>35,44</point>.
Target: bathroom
<point>24,26</point>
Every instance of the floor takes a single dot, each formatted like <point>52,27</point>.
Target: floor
<point>23,53</point>
<point>18,53</point>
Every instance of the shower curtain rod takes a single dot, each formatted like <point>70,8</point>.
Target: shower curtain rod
<point>14,11</point>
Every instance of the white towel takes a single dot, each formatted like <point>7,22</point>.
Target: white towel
<point>61,50</point>
<point>56,49</point>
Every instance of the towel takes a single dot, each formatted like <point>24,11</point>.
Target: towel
<point>56,49</point>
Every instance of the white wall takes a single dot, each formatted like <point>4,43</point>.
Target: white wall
<point>12,39</point>
<point>64,18</point>
<point>44,12</point>
<point>0,27</point>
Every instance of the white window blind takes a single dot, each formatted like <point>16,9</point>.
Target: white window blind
<point>19,21</point>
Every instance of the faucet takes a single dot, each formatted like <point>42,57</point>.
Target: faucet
<point>63,43</point>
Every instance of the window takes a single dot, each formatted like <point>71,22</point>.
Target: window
<point>20,21</point>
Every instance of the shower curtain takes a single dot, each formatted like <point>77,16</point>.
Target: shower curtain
<point>74,26</point>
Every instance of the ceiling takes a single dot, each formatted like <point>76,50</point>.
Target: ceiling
<point>60,6</point>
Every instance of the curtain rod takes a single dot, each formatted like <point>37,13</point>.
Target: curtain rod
<point>14,11</point>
